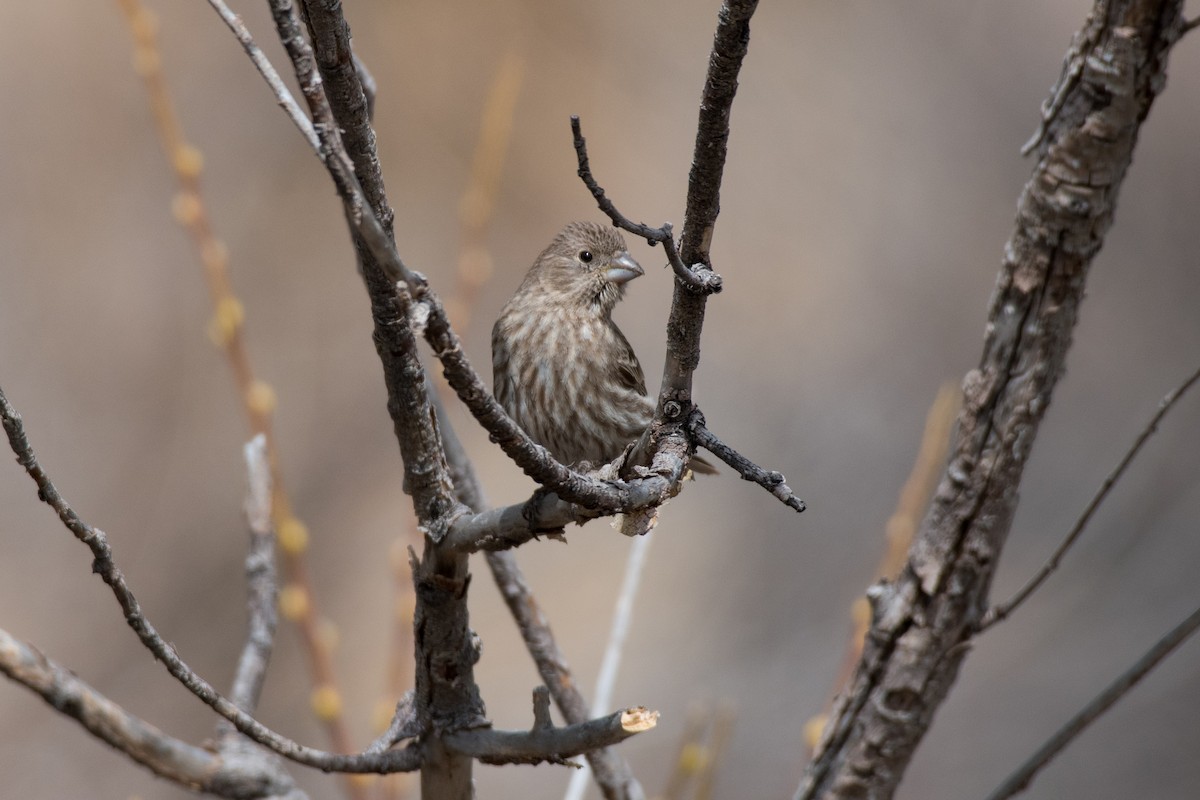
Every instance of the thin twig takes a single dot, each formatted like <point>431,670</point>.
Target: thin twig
<point>260,579</point>
<point>1000,612</point>
<point>278,88</point>
<point>772,481</point>
<point>700,279</point>
<point>1019,780</point>
<point>606,678</point>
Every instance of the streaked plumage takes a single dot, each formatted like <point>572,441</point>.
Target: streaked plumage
<point>561,367</point>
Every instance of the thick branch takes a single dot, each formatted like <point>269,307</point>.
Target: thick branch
<point>703,201</point>
<point>350,100</point>
<point>552,745</point>
<point>921,623</point>
<point>447,697</point>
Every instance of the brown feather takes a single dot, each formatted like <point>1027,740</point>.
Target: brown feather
<point>561,367</point>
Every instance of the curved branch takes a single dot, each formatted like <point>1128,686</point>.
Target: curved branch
<point>701,280</point>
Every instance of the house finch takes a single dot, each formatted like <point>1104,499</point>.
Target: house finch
<point>561,367</point>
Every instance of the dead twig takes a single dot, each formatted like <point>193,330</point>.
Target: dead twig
<point>1001,611</point>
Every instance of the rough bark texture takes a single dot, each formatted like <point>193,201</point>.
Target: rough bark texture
<point>922,623</point>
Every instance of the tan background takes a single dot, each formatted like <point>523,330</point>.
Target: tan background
<point>871,183</point>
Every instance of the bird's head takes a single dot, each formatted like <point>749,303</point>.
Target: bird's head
<point>588,264</point>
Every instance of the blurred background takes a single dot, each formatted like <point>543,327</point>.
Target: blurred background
<point>872,177</point>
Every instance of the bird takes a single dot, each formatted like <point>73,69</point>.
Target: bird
<point>561,367</point>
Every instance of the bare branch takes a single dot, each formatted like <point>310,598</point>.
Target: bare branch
<point>165,756</point>
<point>260,580</point>
<point>552,745</point>
<point>1002,611</point>
<point>703,201</point>
<point>701,280</point>
<point>1019,780</point>
<point>772,481</point>
<point>350,101</point>
<point>278,88</point>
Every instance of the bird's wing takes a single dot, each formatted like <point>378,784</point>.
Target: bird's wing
<point>628,369</point>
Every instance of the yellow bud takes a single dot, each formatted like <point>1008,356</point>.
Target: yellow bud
<point>144,24</point>
<point>188,161</point>
<point>260,398</point>
<point>693,757</point>
<point>326,703</point>
<point>293,602</point>
<point>186,208</point>
<point>292,535</point>
<point>226,320</point>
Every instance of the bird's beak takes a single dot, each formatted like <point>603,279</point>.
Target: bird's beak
<point>623,269</point>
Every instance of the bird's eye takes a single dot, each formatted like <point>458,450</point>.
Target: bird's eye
<point>585,256</point>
